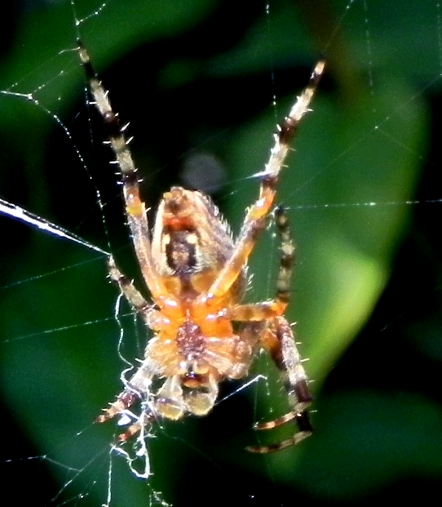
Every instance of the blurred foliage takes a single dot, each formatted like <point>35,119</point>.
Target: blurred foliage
<point>196,79</point>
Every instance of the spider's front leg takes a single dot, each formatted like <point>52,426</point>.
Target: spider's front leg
<point>254,221</point>
<point>279,340</point>
<point>153,318</point>
<point>135,208</point>
<point>132,295</point>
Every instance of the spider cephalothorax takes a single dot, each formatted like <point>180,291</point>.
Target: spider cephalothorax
<point>196,276</point>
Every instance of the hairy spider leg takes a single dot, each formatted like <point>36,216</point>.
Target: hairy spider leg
<point>254,221</point>
<point>135,208</point>
<point>280,342</point>
<point>276,336</point>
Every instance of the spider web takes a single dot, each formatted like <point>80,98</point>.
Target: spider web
<point>196,79</point>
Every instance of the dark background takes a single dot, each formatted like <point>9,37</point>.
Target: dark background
<point>196,80</point>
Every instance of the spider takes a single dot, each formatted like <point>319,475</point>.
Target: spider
<point>196,275</point>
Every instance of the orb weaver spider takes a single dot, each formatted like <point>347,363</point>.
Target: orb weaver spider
<point>196,276</point>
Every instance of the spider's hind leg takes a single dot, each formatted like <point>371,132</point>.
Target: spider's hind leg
<point>121,406</point>
<point>280,342</point>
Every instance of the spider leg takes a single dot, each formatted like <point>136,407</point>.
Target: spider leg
<point>152,317</point>
<point>277,337</point>
<point>136,212</point>
<point>137,390</point>
<point>280,342</point>
<point>255,218</point>
<point>286,258</point>
<point>144,420</point>
<point>124,401</point>
<point>132,393</point>
<point>268,309</point>
<point>132,295</point>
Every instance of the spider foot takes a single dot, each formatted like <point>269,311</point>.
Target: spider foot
<point>304,426</point>
<point>268,425</point>
<point>136,427</point>
<point>129,433</point>
<point>265,449</point>
<point>124,401</point>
